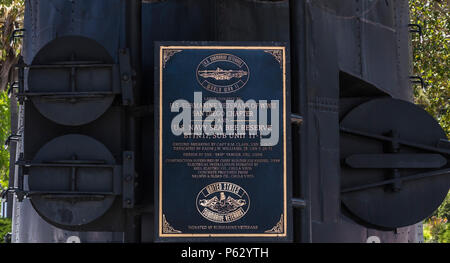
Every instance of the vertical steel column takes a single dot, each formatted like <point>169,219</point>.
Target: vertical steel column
<point>133,40</point>
<point>298,47</point>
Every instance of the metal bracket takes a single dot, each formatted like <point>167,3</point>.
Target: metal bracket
<point>415,28</point>
<point>15,35</point>
<point>298,203</point>
<point>296,119</point>
<point>126,77</point>
<point>12,137</point>
<point>12,87</point>
<point>7,238</point>
<point>19,85</point>
<point>128,177</point>
<point>21,194</point>
<point>418,80</point>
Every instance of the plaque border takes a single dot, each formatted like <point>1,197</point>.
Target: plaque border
<point>160,61</point>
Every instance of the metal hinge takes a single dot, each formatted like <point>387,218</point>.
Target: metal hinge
<point>126,77</point>
<point>128,176</point>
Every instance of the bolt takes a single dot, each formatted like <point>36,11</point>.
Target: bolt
<point>128,201</point>
<point>129,156</point>
<point>128,178</point>
<point>125,77</point>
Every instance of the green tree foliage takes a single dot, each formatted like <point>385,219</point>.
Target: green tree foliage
<point>4,132</point>
<point>11,18</point>
<point>437,230</point>
<point>5,228</point>
<point>444,209</point>
<point>432,57</point>
<point>431,61</point>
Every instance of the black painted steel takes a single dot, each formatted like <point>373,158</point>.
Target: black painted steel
<point>388,147</point>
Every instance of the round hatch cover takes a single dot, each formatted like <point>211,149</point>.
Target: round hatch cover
<point>71,80</point>
<point>388,147</point>
<point>71,180</point>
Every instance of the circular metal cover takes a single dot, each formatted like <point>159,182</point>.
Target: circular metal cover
<point>382,205</point>
<point>66,195</point>
<point>51,75</point>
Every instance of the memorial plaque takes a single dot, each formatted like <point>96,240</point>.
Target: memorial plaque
<point>221,133</point>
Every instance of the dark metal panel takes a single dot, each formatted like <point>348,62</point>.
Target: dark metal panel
<point>323,74</point>
<point>323,94</point>
<point>382,13</point>
<point>379,56</point>
<point>325,178</point>
<point>101,20</point>
<point>348,41</point>
<point>372,41</point>
<point>247,20</point>
<point>344,232</point>
<point>210,20</point>
<point>404,50</point>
